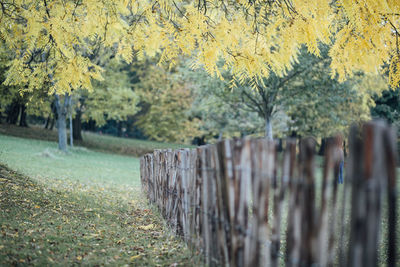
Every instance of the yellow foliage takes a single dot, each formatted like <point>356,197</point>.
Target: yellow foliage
<point>53,39</point>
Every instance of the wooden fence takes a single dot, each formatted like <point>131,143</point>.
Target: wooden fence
<point>241,203</point>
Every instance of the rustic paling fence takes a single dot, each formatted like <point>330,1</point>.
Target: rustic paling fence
<point>243,204</point>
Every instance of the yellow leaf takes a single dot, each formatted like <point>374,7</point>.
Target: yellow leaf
<point>37,207</point>
<point>135,257</point>
<point>79,258</point>
<point>147,227</point>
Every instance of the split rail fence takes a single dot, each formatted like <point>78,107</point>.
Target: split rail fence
<point>241,203</point>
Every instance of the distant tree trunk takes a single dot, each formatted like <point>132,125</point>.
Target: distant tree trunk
<point>77,125</point>
<point>62,111</point>
<point>119,129</point>
<point>47,123</point>
<point>52,124</point>
<point>321,151</point>
<point>62,132</point>
<point>268,128</point>
<point>12,113</point>
<point>71,138</point>
<point>22,119</point>
<point>220,136</point>
<point>280,145</point>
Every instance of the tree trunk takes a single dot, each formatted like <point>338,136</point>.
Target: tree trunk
<point>12,113</point>
<point>77,126</point>
<point>119,129</point>
<point>54,113</point>
<point>71,138</point>
<point>268,129</point>
<point>22,120</point>
<point>46,126</point>
<point>321,151</point>
<point>52,124</point>
<point>280,145</point>
<point>62,111</point>
<point>62,132</point>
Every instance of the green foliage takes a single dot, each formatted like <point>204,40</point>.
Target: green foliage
<point>306,100</point>
<point>219,108</point>
<point>7,93</point>
<point>387,106</point>
<point>321,106</point>
<point>113,98</point>
<point>165,102</point>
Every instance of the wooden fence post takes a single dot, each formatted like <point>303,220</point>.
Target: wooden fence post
<point>307,202</point>
<point>279,189</point>
<point>218,197</point>
<point>390,146</point>
<point>368,175</point>
<point>218,250</point>
<point>326,219</point>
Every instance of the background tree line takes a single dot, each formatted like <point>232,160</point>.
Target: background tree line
<point>146,101</point>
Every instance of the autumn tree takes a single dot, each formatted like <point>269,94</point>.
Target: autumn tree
<point>165,103</point>
<point>220,109</point>
<point>53,39</point>
<point>305,100</point>
<point>53,42</point>
<point>112,99</point>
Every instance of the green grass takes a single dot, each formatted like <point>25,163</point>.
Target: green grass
<point>125,146</point>
<point>80,208</point>
<point>102,143</point>
<point>42,159</point>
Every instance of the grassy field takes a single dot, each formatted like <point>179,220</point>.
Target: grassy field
<point>83,207</point>
<point>102,143</point>
<point>86,207</point>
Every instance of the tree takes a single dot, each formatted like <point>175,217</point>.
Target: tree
<point>220,109</point>
<point>387,106</point>
<point>255,38</point>
<point>165,103</point>
<point>306,101</point>
<point>112,99</point>
<point>305,94</point>
<point>386,100</point>
<point>53,40</point>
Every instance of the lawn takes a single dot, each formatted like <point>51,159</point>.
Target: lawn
<point>93,141</point>
<point>83,207</point>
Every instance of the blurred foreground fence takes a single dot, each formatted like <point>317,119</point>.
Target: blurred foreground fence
<point>243,204</point>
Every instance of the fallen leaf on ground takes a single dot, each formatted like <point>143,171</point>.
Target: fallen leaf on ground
<point>135,257</point>
<point>147,227</point>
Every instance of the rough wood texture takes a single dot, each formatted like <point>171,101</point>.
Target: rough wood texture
<point>229,200</point>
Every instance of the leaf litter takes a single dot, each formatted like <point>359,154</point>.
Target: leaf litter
<point>61,222</point>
